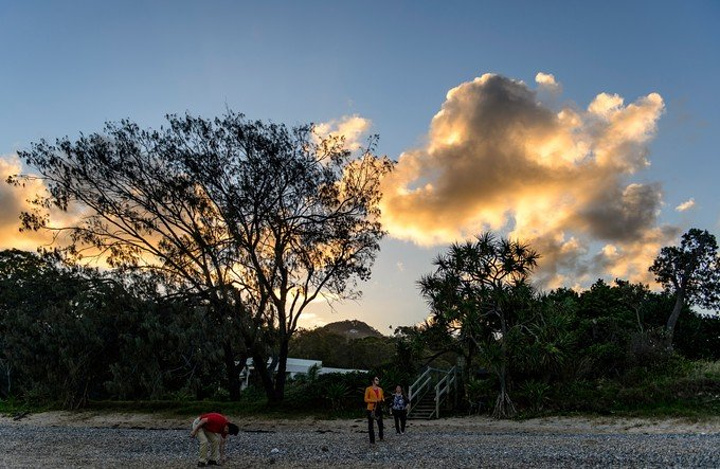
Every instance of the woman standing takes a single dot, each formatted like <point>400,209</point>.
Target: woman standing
<point>373,398</point>
<point>400,406</point>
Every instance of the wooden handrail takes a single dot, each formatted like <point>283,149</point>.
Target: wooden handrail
<point>423,383</point>
<point>441,390</point>
<point>420,384</point>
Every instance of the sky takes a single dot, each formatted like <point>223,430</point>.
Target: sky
<point>590,130</point>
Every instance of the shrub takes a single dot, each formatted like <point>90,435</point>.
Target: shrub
<point>534,394</point>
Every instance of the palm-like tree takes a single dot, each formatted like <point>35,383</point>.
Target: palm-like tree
<point>476,291</point>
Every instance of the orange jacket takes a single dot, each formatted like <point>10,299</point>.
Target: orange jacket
<point>372,399</point>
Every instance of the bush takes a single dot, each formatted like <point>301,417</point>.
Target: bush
<point>648,350</point>
<point>326,394</point>
<point>533,394</point>
<point>480,393</point>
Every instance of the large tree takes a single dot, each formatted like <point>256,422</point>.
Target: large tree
<point>477,290</point>
<point>256,219</point>
<point>691,272</point>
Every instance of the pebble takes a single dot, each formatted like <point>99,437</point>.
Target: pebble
<point>30,446</point>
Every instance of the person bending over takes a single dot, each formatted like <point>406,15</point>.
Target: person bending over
<point>212,430</point>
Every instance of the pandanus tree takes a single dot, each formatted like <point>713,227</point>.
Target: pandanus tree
<point>475,291</point>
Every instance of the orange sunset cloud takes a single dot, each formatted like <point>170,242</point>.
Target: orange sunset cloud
<point>500,156</point>
<point>13,201</point>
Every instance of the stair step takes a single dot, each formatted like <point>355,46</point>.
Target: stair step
<point>423,410</point>
<point>425,385</point>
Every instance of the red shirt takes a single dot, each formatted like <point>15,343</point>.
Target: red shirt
<point>215,423</point>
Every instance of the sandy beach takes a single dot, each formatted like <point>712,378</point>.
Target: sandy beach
<point>604,424</point>
<point>122,440</point>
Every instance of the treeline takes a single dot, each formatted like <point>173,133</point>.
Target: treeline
<point>337,350</point>
<point>70,334</point>
<point>598,350</point>
<point>607,347</point>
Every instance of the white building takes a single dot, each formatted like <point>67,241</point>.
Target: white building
<point>294,367</point>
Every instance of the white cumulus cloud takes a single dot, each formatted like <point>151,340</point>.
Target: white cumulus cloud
<point>498,158</point>
<point>353,128</point>
<point>687,205</point>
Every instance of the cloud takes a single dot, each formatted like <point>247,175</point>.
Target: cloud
<point>687,205</point>
<point>8,198</point>
<point>501,156</point>
<point>547,80</point>
<point>13,201</point>
<point>549,90</point>
<point>311,320</point>
<point>353,128</point>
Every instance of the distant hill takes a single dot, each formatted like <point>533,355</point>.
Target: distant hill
<point>352,329</point>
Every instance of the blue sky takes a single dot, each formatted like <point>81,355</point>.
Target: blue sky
<point>70,66</point>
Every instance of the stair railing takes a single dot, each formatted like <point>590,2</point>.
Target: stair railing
<point>420,387</point>
<point>442,388</point>
<point>424,383</point>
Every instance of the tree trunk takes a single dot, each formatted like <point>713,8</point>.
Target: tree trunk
<point>233,372</point>
<point>467,368</point>
<point>672,320</point>
<point>261,368</point>
<point>504,407</point>
<point>8,376</point>
<point>281,376</point>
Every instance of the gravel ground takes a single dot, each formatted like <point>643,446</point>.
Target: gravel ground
<point>101,441</point>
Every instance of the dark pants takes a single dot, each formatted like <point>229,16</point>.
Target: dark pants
<point>371,425</point>
<point>400,418</point>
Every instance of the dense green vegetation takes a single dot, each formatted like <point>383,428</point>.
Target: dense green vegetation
<point>73,337</point>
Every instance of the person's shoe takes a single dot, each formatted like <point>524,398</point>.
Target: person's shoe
<point>213,463</point>
<point>201,464</point>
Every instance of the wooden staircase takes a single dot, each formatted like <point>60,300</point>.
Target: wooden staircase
<point>430,391</point>
<point>425,409</point>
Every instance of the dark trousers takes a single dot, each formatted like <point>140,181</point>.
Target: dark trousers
<point>400,418</point>
<point>371,425</point>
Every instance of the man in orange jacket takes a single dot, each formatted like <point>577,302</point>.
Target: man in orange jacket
<point>374,397</point>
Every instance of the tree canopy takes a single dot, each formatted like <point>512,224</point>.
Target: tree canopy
<point>257,220</point>
<point>691,272</point>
